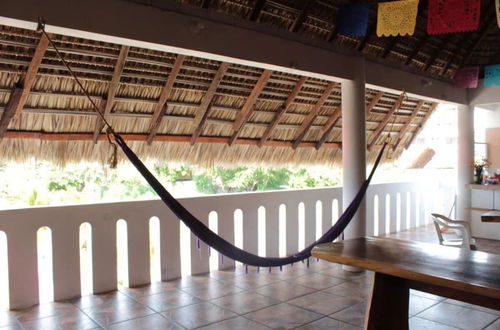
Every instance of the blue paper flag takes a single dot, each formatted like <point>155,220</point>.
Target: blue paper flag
<point>492,75</point>
<point>353,19</point>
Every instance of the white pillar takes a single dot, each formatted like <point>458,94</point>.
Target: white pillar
<point>465,158</point>
<point>354,148</point>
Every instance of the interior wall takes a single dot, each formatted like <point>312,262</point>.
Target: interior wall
<point>493,142</point>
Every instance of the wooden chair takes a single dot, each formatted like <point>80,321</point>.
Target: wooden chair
<point>467,241</point>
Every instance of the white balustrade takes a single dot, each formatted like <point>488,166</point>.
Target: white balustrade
<point>20,227</point>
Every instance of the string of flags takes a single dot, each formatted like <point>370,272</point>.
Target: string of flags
<point>443,16</point>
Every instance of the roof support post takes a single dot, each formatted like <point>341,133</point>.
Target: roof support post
<point>465,158</point>
<point>354,149</point>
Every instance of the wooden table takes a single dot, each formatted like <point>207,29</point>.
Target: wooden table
<point>470,276</point>
<point>491,216</point>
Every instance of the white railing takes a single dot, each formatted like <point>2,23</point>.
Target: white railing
<point>407,208</point>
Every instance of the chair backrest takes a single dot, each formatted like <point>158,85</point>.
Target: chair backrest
<point>443,221</point>
<point>437,224</point>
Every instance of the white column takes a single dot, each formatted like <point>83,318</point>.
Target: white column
<point>354,148</point>
<point>465,158</point>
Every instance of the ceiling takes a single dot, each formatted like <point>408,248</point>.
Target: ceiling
<point>178,108</point>
<point>437,55</point>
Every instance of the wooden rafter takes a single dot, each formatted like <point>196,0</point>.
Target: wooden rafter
<point>202,113</point>
<point>406,126</point>
<point>390,46</point>
<point>297,24</point>
<point>384,122</point>
<point>374,101</point>
<point>328,127</point>
<point>417,49</point>
<point>160,107</point>
<point>62,136</point>
<point>248,107</point>
<point>113,88</point>
<point>257,8</point>
<point>20,93</point>
<point>310,117</point>
<point>439,51</point>
<point>419,128</point>
<point>10,109</point>
<point>282,110</point>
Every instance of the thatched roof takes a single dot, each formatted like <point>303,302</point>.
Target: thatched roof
<point>438,55</point>
<point>213,112</point>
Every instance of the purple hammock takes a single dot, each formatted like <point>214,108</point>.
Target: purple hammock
<point>227,249</point>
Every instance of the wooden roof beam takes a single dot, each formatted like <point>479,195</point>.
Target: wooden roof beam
<point>328,127</point>
<point>113,88</point>
<point>160,107</point>
<point>64,136</point>
<point>417,49</point>
<point>391,45</point>
<point>10,110</point>
<point>248,107</point>
<point>419,128</point>
<point>439,50</point>
<point>257,8</point>
<point>282,110</point>
<point>406,126</point>
<point>308,121</point>
<point>202,113</point>
<point>384,122</point>
<point>374,101</point>
<point>297,24</point>
<point>21,92</point>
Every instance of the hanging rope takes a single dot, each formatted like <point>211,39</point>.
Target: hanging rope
<point>113,160</point>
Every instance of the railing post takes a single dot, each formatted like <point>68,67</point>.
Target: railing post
<point>138,251</point>
<point>23,272</point>
<point>292,227</point>
<point>250,229</point>
<point>272,230</point>
<point>104,253</point>
<point>225,218</point>
<point>170,242</point>
<point>66,260</point>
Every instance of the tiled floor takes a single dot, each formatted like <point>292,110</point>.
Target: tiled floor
<point>319,297</point>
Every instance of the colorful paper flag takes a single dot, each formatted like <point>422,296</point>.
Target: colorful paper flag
<point>466,77</point>
<point>497,5</point>
<point>492,75</point>
<point>353,19</point>
<point>447,16</point>
<point>397,18</point>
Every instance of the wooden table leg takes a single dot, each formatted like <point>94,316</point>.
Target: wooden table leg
<point>388,308</point>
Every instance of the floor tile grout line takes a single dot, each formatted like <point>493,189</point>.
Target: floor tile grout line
<point>491,323</point>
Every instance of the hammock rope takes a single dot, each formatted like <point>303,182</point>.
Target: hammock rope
<point>197,227</point>
<point>200,230</point>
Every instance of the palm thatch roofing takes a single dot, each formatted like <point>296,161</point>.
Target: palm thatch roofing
<point>178,108</point>
<point>438,55</point>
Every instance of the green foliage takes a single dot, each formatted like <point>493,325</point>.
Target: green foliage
<point>173,174</point>
<point>220,180</point>
<point>135,188</point>
<point>32,198</point>
<point>65,180</point>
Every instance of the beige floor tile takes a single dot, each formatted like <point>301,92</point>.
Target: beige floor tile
<point>283,316</point>
<point>197,315</point>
